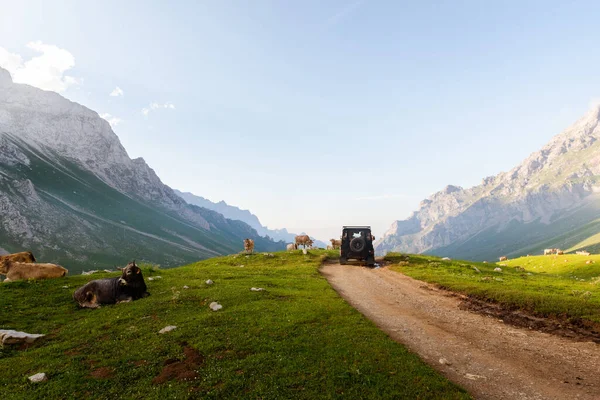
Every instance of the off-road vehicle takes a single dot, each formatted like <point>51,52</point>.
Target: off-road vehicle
<point>357,244</point>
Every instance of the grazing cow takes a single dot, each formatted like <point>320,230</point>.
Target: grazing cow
<point>292,247</point>
<point>23,257</point>
<point>249,246</point>
<point>548,251</point>
<point>559,252</point>
<point>336,243</point>
<point>503,258</point>
<point>18,270</point>
<point>129,286</point>
<point>303,240</point>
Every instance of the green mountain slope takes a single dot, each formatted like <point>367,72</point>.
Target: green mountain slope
<point>517,238</point>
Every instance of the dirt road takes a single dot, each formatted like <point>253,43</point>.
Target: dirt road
<point>489,358</point>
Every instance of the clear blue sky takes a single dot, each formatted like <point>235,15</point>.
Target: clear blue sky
<point>316,114</point>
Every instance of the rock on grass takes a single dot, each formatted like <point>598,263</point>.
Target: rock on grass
<point>37,378</point>
<point>167,329</point>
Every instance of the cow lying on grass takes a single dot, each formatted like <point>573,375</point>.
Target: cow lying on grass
<point>292,247</point>
<point>23,257</point>
<point>18,270</point>
<point>129,286</point>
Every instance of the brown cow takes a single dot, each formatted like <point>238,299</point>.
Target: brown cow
<point>303,240</point>
<point>24,257</point>
<point>249,245</point>
<point>503,258</point>
<point>336,243</point>
<point>17,270</point>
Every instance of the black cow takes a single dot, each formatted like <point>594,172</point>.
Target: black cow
<point>129,286</point>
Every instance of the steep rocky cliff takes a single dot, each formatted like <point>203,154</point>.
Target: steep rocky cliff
<point>70,192</point>
<point>551,193</point>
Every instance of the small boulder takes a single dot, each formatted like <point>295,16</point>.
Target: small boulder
<point>497,269</point>
<point>167,329</point>
<point>186,287</point>
<point>257,289</point>
<point>209,282</point>
<point>215,306</point>
<point>476,269</point>
<point>446,259</point>
<point>37,378</point>
<point>443,361</point>
<point>16,337</point>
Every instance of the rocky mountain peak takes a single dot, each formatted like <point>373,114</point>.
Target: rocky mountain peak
<point>70,192</point>
<point>558,177</point>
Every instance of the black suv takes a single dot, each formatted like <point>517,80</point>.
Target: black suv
<point>357,244</point>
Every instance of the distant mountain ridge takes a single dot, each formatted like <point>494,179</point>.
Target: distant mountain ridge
<point>551,194</point>
<point>235,213</point>
<point>70,192</point>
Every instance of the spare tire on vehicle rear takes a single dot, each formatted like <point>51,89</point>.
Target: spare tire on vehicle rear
<point>357,244</point>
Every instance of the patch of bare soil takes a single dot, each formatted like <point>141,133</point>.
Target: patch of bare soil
<point>479,350</point>
<point>576,329</point>
<point>181,370</point>
<point>102,373</point>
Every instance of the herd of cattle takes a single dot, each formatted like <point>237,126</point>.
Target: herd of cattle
<point>555,251</point>
<point>129,286</point>
<point>299,240</point>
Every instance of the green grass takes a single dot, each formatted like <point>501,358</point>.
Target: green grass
<point>296,339</point>
<point>548,286</point>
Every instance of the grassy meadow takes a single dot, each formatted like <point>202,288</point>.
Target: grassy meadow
<point>563,286</point>
<point>295,339</point>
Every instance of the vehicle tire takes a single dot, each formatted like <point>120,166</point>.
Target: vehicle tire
<point>357,244</point>
<point>343,261</point>
<point>371,261</point>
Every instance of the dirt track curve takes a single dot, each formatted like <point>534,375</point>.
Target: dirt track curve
<point>490,359</point>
